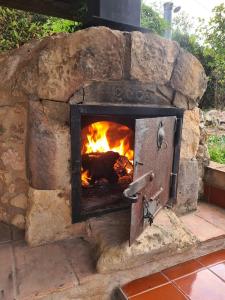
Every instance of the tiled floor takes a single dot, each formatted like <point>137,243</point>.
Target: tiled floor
<point>69,267</point>
<point>199,279</point>
<point>207,222</point>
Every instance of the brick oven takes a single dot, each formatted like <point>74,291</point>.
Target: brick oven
<point>91,124</point>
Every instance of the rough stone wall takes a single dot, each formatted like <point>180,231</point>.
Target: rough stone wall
<point>202,156</point>
<point>188,185</point>
<point>193,159</point>
<point>13,181</point>
<point>94,65</point>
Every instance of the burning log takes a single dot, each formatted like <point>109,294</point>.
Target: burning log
<point>123,167</point>
<point>101,166</point>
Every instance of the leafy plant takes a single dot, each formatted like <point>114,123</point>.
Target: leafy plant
<point>18,27</point>
<point>152,20</point>
<point>216,146</point>
<point>56,25</point>
<point>214,47</point>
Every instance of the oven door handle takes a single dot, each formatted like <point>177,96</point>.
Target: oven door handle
<point>135,187</point>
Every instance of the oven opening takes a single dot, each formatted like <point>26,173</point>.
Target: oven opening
<point>107,157</point>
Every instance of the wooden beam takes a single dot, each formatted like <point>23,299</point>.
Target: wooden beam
<point>67,9</point>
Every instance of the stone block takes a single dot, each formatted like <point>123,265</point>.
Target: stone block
<point>93,54</point>
<point>19,75</point>
<point>19,201</point>
<point>56,66</point>
<point>18,221</point>
<point>49,145</point>
<point>123,92</point>
<point>180,101</point>
<point>188,76</point>
<point>49,217</point>
<point>188,186</point>
<point>190,134</point>
<point>152,58</point>
<point>13,181</point>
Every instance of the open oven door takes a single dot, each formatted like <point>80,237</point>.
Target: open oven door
<point>153,165</point>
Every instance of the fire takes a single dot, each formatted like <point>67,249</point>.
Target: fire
<point>104,136</point>
<point>85,177</point>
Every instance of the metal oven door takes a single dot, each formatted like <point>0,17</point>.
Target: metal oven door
<point>153,166</point>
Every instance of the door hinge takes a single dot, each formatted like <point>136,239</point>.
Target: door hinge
<point>173,189</point>
<point>177,131</point>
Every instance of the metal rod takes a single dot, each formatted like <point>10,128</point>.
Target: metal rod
<point>168,11</point>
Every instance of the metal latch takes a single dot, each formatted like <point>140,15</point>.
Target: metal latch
<point>161,137</point>
<point>147,212</point>
<point>136,186</point>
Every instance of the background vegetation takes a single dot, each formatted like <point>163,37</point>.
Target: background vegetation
<point>216,146</point>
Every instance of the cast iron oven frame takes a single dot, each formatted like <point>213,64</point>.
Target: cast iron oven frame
<point>134,112</point>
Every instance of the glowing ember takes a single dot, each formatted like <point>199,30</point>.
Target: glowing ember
<point>102,137</point>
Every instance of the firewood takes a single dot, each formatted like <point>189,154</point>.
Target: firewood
<point>101,165</point>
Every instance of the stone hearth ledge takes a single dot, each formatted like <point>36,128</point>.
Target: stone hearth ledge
<point>167,235</point>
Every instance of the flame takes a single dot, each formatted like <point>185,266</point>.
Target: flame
<point>107,136</point>
<point>85,177</point>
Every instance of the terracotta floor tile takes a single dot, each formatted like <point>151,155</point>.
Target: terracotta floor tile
<point>201,228</point>
<point>182,269</point>
<point>143,284</point>
<point>219,270</point>
<point>212,258</point>
<point>203,285</point>
<point>6,275</point>
<point>165,292</point>
<point>213,214</point>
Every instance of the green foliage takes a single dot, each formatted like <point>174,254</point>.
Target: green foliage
<point>191,43</point>
<point>216,146</point>
<point>208,45</point>
<point>152,20</point>
<point>18,27</point>
<point>56,25</point>
<point>215,48</point>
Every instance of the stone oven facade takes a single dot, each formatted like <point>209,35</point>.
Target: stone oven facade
<point>95,67</point>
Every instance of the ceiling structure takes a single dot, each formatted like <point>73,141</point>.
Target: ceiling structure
<point>118,14</point>
<point>67,9</point>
